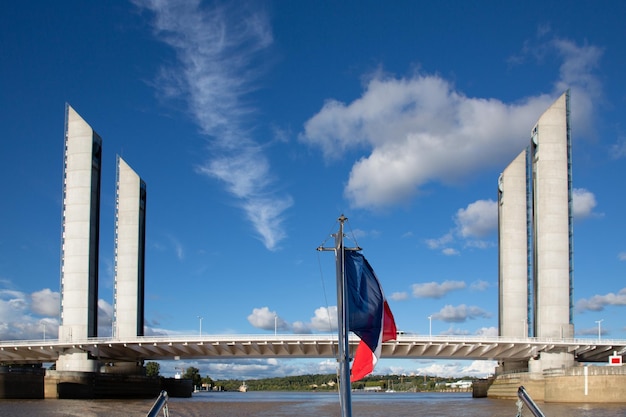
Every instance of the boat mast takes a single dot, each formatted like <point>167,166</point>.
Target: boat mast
<point>342,322</point>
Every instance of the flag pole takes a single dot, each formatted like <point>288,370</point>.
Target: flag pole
<point>342,321</point>
<point>343,325</point>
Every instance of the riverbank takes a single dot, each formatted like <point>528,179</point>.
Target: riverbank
<point>580,384</point>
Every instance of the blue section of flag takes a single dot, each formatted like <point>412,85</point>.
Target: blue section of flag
<point>369,315</point>
<point>365,299</point>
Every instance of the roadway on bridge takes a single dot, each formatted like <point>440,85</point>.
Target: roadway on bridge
<point>306,346</point>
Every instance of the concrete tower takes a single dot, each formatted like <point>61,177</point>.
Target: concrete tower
<point>80,238</point>
<point>513,227</point>
<point>535,238</point>
<point>130,237</point>
<point>552,217</point>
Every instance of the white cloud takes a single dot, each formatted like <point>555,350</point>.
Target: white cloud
<point>478,369</point>
<point>599,302</point>
<point>325,319</point>
<point>583,203</point>
<point>420,129</point>
<point>265,319</point>
<point>487,332</point>
<point>479,285</point>
<point>479,219</point>
<point>577,74</point>
<point>245,369</point>
<point>618,150</point>
<point>219,50</point>
<point>621,256</point>
<point>46,302</point>
<point>460,314</point>
<point>399,296</point>
<point>300,327</point>
<point>450,251</point>
<point>105,318</point>
<point>592,331</point>
<point>479,244</point>
<point>440,242</point>
<point>435,289</point>
<point>455,331</point>
<point>28,316</point>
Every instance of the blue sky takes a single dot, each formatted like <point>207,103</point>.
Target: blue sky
<point>256,124</point>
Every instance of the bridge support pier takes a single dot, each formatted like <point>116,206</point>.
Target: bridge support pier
<point>123,368</point>
<point>536,366</point>
<point>506,367</point>
<point>76,360</point>
<point>545,361</point>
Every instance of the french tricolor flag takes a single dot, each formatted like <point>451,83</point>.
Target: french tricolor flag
<point>369,314</point>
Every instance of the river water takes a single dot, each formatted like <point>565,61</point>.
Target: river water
<point>279,404</point>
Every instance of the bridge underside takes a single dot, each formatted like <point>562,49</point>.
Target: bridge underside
<point>304,346</point>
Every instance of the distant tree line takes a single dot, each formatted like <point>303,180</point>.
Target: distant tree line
<point>315,382</point>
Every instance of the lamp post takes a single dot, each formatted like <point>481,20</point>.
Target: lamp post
<point>599,328</point>
<point>430,326</point>
<point>43,324</point>
<point>200,318</point>
<point>275,324</point>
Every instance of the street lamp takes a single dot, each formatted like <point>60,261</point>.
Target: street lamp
<point>430,326</point>
<point>200,318</point>
<point>43,324</point>
<point>275,324</point>
<point>599,328</point>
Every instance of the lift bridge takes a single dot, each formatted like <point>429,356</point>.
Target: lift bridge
<point>306,346</point>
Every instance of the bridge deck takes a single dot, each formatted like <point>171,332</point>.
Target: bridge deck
<point>303,346</point>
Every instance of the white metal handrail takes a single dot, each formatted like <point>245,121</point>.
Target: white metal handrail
<point>159,404</point>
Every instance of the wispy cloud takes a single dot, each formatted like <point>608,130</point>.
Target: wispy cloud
<point>479,285</point>
<point>420,129</point>
<point>435,289</point>
<point>460,314</point>
<point>618,149</point>
<point>599,302</point>
<point>219,50</point>
<point>399,296</point>
<point>437,243</point>
<point>592,331</point>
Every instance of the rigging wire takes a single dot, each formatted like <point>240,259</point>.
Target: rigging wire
<point>319,262</point>
<point>352,236</point>
<point>330,321</point>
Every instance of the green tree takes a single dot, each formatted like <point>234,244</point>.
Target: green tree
<point>153,368</point>
<point>193,374</point>
<point>207,380</point>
